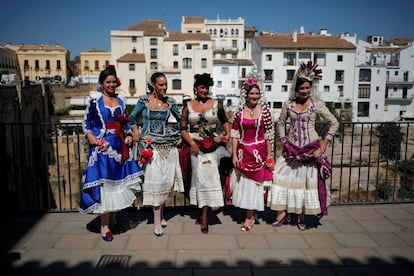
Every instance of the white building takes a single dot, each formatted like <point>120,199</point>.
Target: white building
<point>229,75</point>
<point>147,47</point>
<point>279,55</point>
<point>384,80</point>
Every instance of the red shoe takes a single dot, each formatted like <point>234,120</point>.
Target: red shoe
<point>245,228</point>
<point>204,225</point>
<point>280,222</point>
<point>107,236</point>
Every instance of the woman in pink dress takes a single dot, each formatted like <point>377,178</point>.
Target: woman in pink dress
<point>252,139</point>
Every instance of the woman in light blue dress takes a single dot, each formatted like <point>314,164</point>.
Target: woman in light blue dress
<point>158,147</point>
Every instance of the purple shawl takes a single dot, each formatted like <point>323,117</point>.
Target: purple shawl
<point>305,155</point>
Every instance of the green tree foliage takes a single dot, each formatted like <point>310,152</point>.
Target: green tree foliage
<point>390,141</point>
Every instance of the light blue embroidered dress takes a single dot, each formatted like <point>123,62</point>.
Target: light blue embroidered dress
<point>107,181</point>
<point>162,172</point>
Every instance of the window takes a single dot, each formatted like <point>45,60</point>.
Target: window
<point>339,76</point>
<point>106,63</point>
<point>268,88</point>
<point>243,72</point>
<point>340,58</point>
<point>319,58</point>
<point>284,88</point>
<point>338,105</point>
<point>26,64</point>
<point>278,105</point>
<point>289,75</point>
<point>175,50</point>
<point>203,63</point>
<point>58,66</point>
<point>187,63</point>
<point>131,67</point>
<point>189,46</point>
<point>233,84</point>
<point>86,65</point>
<point>131,83</point>
<point>326,88</point>
<point>153,41</point>
<point>268,57</point>
<point>365,75</point>
<point>363,109</point>
<point>176,84</point>
<point>364,91</point>
<point>154,65</point>
<point>304,57</point>
<point>219,84</point>
<point>234,43</point>
<point>153,53</point>
<point>224,70</point>
<point>96,64</point>
<point>37,66</point>
<point>268,75</point>
<point>47,65</point>
<point>205,47</point>
<point>340,88</point>
<point>175,64</point>
<point>405,93</point>
<point>290,58</point>
<point>133,39</point>
<point>132,90</point>
<point>377,88</point>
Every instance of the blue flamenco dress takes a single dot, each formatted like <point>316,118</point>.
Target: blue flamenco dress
<point>111,177</point>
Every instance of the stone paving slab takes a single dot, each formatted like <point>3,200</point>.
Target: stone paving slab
<point>352,240</point>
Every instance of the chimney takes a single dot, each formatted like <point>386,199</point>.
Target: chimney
<point>295,37</point>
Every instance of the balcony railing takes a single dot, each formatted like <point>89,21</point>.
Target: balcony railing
<point>43,165</point>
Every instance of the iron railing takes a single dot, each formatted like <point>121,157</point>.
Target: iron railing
<point>42,165</point>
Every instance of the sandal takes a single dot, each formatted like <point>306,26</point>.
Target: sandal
<point>301,224</point>
<point>204,225</point>
<point>281,221</point>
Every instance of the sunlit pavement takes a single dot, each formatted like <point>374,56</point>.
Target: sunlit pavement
<point>351,240</point>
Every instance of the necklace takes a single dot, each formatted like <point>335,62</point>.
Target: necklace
<point>251,110</point>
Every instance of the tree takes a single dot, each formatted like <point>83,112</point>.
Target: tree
<point>390,140</point>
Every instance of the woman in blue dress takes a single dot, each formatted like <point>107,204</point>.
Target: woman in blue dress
<point>111,173</point>
<point>158,147</point>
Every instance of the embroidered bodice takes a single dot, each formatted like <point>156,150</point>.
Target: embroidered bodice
<point>155,121</point>
<point>302,124</point>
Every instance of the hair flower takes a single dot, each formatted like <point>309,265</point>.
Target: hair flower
<point>249,82</point>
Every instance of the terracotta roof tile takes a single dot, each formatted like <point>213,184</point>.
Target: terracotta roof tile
<point>233,61</point>
<point>131,57</point>
<point>303,41</point>
<point>150,27</point>
<point>178,36</point>
<point>193,19</point>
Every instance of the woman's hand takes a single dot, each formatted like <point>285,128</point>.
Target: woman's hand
<point>101,144</point>
<point>128,140</point>
<point>235,161</point>
<point>194,148</point>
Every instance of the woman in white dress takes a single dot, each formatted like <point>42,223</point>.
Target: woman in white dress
<point>200,117</point>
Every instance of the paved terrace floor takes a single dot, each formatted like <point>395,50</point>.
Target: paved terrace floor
<point>351,240</point>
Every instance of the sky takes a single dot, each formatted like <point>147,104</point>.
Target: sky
<point>81,25</point>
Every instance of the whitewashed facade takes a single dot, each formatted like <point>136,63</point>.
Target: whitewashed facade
<point>279,55</point>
